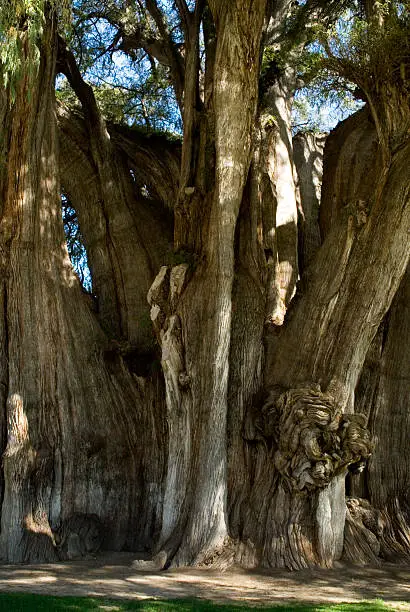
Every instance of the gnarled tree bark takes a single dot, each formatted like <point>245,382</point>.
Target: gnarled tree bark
<point>380,488</point>
<point>66,390</point>
<point>238,448</point>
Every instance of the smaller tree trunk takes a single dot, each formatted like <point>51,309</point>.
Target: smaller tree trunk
<point>199,316</point>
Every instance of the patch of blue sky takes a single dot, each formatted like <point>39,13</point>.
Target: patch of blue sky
<point>314,112</point>
<point>148,105</point>
<point>75,245</point>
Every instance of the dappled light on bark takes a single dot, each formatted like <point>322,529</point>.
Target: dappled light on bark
<point>234,390</point>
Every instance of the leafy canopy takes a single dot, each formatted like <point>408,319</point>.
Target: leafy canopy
<point>21,28</point>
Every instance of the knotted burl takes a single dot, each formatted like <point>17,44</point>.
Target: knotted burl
<point>315,440</point>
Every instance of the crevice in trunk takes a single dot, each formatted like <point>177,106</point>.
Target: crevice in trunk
<point>246,349</point>
<point>308,156</point>
<point>75,245</point>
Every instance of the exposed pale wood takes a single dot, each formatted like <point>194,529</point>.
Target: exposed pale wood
<point>281,235</point>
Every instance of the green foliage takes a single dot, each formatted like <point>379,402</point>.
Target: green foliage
<point>342,55</point>
<point>21,26</point>
<point>372,50</point>
<point>21,29</point>
<point>272,59</point>
<point>323,97</point>
<point>66,95</point>
<point>130,86</point>
<point>134,101</point>
<point>184,257</point>
<point>45,603</point>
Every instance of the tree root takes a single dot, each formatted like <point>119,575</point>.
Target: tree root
<point>157,563</point>
<point>363,531</point>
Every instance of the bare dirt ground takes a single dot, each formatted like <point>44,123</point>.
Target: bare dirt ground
<point>113,576</point>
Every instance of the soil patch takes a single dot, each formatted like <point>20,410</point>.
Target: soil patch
<point>113,576</point>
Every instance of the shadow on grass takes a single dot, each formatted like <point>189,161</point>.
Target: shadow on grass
<point>19,602</point>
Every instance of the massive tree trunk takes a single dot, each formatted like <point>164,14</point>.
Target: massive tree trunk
<point>67,390</point>
<point>239,446</point>
<point>195,344</point>
<point>378,520</point>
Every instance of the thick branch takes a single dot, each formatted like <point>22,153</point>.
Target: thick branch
<point>191,96</point>
<point>154,160</point>
<point>176,61</point>
<point>127,236</point>
<point>67,65</point>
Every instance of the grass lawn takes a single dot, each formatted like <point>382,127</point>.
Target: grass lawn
<point>22,602</point>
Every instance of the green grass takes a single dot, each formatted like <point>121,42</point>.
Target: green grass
<point>19,602</point>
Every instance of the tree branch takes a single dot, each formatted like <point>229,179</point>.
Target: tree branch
<point>184,14</point>
<point>176,61</point>
<point>67,65</point>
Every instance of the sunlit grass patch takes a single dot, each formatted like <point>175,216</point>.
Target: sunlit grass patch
<point>19,602</point>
